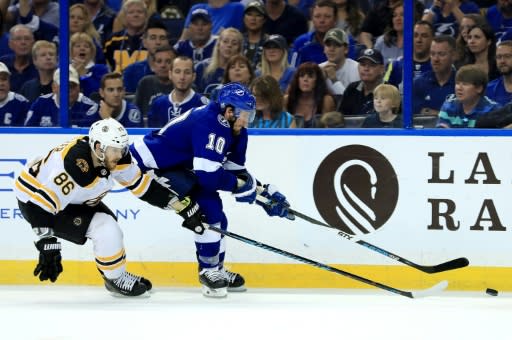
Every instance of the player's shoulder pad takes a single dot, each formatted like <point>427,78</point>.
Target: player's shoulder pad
<point>78,163</point>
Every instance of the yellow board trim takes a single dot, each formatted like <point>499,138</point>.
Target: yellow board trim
<point>257,275</point>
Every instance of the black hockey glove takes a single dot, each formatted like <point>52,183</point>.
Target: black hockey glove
<point>49,266</point>
<point>193,218</point>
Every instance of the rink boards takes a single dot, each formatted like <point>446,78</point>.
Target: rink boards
<point>426,198</point>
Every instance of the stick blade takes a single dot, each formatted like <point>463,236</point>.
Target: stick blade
<point>434,290</point>
<point>461,262</point>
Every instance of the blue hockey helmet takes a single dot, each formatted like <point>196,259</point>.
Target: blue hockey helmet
<point>240,98</point>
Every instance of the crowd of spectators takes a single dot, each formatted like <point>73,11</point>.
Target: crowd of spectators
<point>310,64</point>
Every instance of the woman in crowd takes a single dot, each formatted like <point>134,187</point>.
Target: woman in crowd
<point>350,16</point>
<point>269,105</point>
<point>210,72</point>
<point>82,52</point>
<point>80,21</point>
<point>391,43</point>
<point>274,61</point>
<point>481,49</point>
<point>308,98</point>
<point>467,22</point>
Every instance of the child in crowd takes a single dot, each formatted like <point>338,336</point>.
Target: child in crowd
<point>386,104</point>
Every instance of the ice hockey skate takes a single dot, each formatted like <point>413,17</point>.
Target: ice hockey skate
<point>128,285</point>
<point>213,283</point>
<point>236,282</point>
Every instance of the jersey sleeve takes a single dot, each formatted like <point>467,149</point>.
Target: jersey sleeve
<point>143,186</point>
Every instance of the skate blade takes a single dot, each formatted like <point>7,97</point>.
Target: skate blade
<point>240,289</point>
<point>214,293</point>
<point>144,295</point>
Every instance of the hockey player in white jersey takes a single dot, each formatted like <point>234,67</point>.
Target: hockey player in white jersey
<point>60,194</point>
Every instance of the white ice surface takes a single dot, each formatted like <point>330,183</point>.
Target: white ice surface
<point>61,312</point>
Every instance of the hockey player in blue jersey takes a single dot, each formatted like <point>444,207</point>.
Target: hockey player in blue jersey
<point>200,153</point>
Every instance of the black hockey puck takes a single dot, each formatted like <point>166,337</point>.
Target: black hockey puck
<point>492,292</point>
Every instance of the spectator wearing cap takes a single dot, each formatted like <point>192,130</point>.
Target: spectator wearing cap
<point>274,61</point>
<point>339,70</point>
<point>285,19</point>
<point>20,63</point>
<point>500,89</point>
<point>201,42</point>
<point>154,37</point>
<point>462,109</point>
<point>309,46</point>
<point>13,106</point>
<point>125,47</point>
<point>358,96</point>
<point>45,111</point>
<point>255,15</point>
<point>44,57</point>
<point>224,14</point>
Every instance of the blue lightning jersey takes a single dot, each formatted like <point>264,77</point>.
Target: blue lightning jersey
<point>163,109</point>
<point>45,110</point>
<point>13,109</point>
<point>200,139</point>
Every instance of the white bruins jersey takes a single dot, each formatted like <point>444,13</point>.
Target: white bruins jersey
<point>66,175</point>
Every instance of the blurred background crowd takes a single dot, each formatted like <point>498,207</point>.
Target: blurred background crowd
<point>310,64</point>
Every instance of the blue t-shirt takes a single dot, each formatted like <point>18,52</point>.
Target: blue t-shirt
<point>497,92</point>
<point>229,15</point>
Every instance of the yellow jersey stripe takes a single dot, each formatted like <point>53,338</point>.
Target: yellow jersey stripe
<point>55,201</point>
<point>142,187</point>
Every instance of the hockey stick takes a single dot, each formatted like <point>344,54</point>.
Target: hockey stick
<point>449,265</point>
<point>410,294</point>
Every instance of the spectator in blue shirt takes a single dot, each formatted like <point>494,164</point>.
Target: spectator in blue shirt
<point>500,89</point>
<point>446,15</point>
<point>155,36</point>
<point>224,14</point>
<point>310,46</point>
<point>499,16</point>
<point>462,109</point>
<point>431,89</point>
<point>201,42</point>
<point>13,106</point>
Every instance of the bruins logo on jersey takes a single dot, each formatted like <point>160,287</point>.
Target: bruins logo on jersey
<point>82,164</point>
